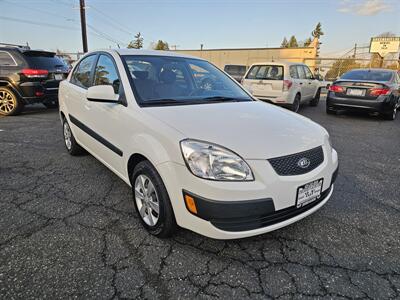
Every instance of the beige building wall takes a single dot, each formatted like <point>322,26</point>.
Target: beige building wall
<point>248,56</point>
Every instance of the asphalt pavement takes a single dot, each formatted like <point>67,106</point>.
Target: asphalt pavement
<point>68,227</point>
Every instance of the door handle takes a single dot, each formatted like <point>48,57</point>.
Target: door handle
<point>309,82</point>
<point>301,83</point>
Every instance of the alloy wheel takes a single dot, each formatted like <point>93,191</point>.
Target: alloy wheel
<point>147,200</point>
<point>7,102</point>
<point>67,136</point>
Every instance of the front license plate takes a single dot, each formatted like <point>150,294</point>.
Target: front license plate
<point>355,92</point>
<point>309,192</point>
<point>58,76</point>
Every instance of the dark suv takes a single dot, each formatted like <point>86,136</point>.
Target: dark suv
<point>29,76</point>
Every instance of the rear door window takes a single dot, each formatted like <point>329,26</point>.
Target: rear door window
<point>82,75</point>
<point>301,72</point>
<point>368,75</point>
<point>6,59</point>
<point>293,72</point>
<point>45,61</point>
<point>266,72</point>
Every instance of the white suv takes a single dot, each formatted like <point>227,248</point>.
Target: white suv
<point>283,83</point>
<point>210,159</point>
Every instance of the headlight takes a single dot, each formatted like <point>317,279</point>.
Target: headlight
<point>214,162</point>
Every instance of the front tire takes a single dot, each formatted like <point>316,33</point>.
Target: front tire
<point>315,100</point>
<point>72,146</point>
<point>10,105</point>
<point>152,201</point>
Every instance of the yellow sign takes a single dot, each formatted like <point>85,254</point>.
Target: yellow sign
<point>384,45</point>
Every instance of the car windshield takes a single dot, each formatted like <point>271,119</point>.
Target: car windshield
<point>168,80</point>
<point>369,75</point>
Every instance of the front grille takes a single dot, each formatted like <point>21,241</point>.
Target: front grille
<point>289,165</point>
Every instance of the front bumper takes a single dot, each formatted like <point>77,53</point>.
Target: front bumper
<point>227,215</point>
<point>382,104</point>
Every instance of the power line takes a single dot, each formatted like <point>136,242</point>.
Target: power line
<point>111,21</point>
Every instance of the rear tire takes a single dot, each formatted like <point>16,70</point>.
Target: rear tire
<point>315,100</point>
<point>152,202</point>
<point>391,116</point>
<point>10,104</point>
<point>330,111</point>
<point>70,143</point>
<point>296,103</point>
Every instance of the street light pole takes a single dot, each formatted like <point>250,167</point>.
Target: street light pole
<point>83,25</point>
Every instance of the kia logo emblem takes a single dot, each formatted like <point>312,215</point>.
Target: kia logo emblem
<point>304,163</point>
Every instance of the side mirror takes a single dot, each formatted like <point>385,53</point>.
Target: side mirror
<point>102,93</point>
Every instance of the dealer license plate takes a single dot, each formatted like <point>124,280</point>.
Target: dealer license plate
<point>309,192</point>
<point>355,92</point>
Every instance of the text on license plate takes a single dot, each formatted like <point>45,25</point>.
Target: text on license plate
<point>309,192</point>
<point>355,92</point>
<point>58,76</point>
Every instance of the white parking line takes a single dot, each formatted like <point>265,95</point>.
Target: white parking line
<point>1,130</point>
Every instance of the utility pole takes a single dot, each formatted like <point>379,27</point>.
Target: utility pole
<point>83,25</point>
<point>355,50</point>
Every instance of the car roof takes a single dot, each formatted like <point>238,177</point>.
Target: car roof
<point>373,69</point>
<point>277,63</point>
<point>126,51</point>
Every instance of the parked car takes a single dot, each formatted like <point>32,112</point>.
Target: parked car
<point>371,90</point>
<point>217,162</point>
<point>283,83</point>
<point>323,83</point>
<point>29,76</point>
<point>236,71</point>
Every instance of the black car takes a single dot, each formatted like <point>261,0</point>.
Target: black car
<point>29,76</point>
<point>372,90</point>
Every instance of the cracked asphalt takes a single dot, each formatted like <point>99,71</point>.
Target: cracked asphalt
<point>68,227</point>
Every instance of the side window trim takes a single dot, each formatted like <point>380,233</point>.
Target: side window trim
<point>13,59</point>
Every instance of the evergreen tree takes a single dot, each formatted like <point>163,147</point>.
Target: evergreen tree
<point>317,32</point>
<point>137,43</point>
<point>285,43</point>
<point>161,45</point>
<point>293,42</point>
<point>307,42</point>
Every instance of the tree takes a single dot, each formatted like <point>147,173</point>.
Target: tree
<point>137,43</point>
<point>340,67</point>
<point>307,42</point>
<point>293,42</point>
<point>317,32</point>
<point>285,43</point>
<point>161,45</point>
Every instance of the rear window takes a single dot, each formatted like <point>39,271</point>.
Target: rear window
<point>235,69</point>
<point>44,60</point>
<point>369,75</point>
<point>266,72</point>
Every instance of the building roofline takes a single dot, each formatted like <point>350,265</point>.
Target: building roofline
<point>238,49</point>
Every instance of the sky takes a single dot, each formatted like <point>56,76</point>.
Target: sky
<point>55,24</point>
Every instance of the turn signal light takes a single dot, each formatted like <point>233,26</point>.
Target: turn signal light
<point>378,91</point>
<point>190,204</point>
<point>35,73</point>
<point>336,89</point>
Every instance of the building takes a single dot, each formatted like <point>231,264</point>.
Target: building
<point>248,56</point>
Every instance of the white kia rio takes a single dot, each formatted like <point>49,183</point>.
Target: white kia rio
<point>196,148</point>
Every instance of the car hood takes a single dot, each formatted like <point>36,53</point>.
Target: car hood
<point>254,130</point>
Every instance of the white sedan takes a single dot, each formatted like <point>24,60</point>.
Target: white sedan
<point>214,161</point>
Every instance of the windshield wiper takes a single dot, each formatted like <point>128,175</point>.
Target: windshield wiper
<point>156,102</point>
<point>222,99</point>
